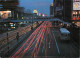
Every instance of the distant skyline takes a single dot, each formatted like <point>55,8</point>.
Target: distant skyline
<point>42,6</point>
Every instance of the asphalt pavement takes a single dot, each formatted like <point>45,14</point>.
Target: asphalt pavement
<point>44,42</point>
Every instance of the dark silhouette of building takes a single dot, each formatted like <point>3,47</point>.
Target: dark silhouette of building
<point>9,5</point>
<point>71,14</point>
<point>58,8</point>
<point>51,10</point>
<point>69,9</point>
<point>63,9</point>
<point>16,12</point>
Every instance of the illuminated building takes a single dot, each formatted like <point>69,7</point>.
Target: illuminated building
<point>43,15</point>
<point>39,14</point>
<point>35,12</point>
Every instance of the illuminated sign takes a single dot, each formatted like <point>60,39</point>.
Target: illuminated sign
<point>45,15</point>
<point>79,12</point>
<point>5,14</point>
<point>77,18</point>
<point>11,23</point>
<point>76,0</point>
<point>73,18</point>
<point>76,5</point>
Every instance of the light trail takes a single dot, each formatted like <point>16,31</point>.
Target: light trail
<point>34,33</point>
<point>34,41</point>
<point>41,35</point>
<point>29,45</point>
<point>35,52</point>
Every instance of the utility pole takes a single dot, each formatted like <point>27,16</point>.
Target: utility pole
<point>8,42</point>
<point>17,37</point>
<point>32,25</point>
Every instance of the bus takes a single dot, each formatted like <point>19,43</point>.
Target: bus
<point>64,34</point>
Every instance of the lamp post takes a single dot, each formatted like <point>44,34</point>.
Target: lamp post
<point>17,36</point>
<point>8,42</point>
<point>32,25</point>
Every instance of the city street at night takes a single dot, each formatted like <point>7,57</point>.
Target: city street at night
<point>40,29</point>
<point>45,42</point>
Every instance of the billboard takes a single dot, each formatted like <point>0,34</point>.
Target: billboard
<point>76,5</point>
<point>5,14</point>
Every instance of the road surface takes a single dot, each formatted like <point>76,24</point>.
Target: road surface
<point>44,42</point>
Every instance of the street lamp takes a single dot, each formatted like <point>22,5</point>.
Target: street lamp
<point>8,42</point>
<point>32,25</point>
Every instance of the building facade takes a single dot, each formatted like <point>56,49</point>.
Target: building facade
<point>69,9</point>
<point>8,6</point>
<point>58,8</point>
<point>63,9</point>
<point>76,12</point>
<point>9,10</point>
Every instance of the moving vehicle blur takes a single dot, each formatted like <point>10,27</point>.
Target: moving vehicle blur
<point>65,34</point>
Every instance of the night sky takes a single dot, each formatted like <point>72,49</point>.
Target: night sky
<point>41,5</point>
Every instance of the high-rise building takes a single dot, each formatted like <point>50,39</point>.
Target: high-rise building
<point>58,8</point>
<point>67,10</point>
<point>63,9</point>
<point>70,10</point>
<point>51,10</point>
